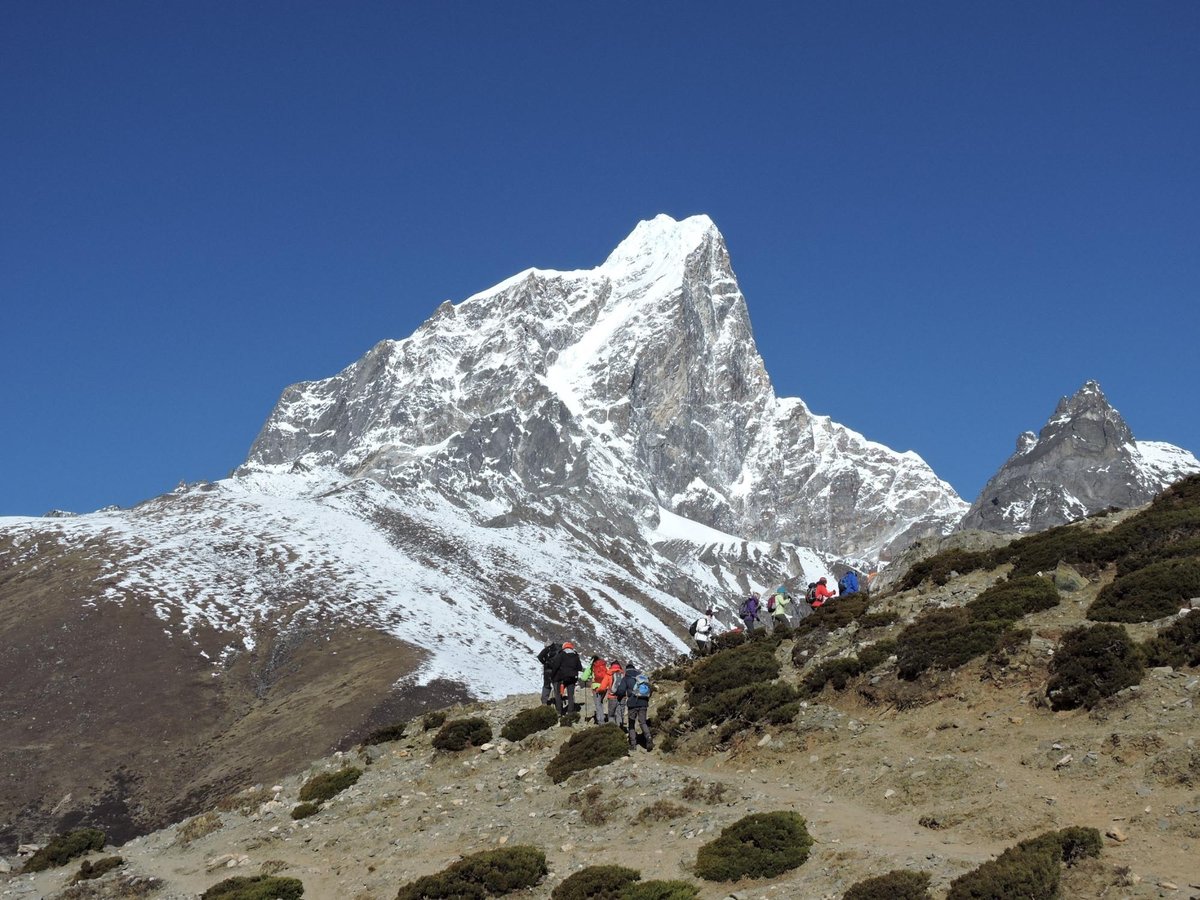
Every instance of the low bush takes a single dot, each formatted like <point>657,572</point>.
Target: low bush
<point>255,887</point>
<point>774,702</point>
<point>385,735</point>
<point>898,885</point>
<point>1032,868</point>
<point>762,845</point>
<point>697,791</point>
<point>660,890</point>
<point>197,827</point>
<point>944,639</point>
<point>878,620</point>
<point>1176,645</point>
<point>64,848</point>
<point>246,801</point>
<point>587,750</point>
<point>661,811</point>
<point>593,808</point>
<point>596,883</point>
<point>727,669</point>
<point>529,721</point>
<point>321,787</point>
<point>433,720</point>
<point>940,567</point>
<point>835,614</point>
<point>89,870</point>
<point>1091,664</point>
<point>458,734</point>
<point>1011,600</point>
<point>304,810</point>
<point>1158,590</point>
<point>838,672</point>
<point>490,873</point>
<point>727,640</point>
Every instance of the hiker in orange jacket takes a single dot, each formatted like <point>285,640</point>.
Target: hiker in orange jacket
<point>616,705</point>
<point>601,681</point>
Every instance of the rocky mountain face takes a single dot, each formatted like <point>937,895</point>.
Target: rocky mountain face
<point>1084,460</point>
<point>609,394</point>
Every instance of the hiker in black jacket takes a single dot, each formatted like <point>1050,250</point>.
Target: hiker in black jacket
<point>638,705</point>
<point>564,676</point>
<point>546,657</point>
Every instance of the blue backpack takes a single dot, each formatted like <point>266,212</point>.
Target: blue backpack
<point>641,687</point>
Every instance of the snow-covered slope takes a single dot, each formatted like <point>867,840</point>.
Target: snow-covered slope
<point>1084,460</point>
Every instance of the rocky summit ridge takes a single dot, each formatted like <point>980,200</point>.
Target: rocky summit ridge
<point>1084,460</point>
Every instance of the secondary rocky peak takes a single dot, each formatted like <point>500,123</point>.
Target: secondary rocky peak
<point>1084,459</point>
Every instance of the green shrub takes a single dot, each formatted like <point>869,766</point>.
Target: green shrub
<point>765,701</point>
<point>199,826</point>
<point>944,639</point>
<point>1030,869</point>
<point>458,734</point>
<point>661,810</point>
<point>878,620</point>
<point>321,787</point>
<point>433,720</point>
<point>587,750</point>
<point>1151,593</point>
<point>727,640</point>
<point>89,870</point>
<point>938,568</point>
<point>838,672</point>
<point>1091,664</point>
<point>727,669</point>
<point>596,883</point>
<point>255,887</point>
<point>64,848</point>
<point>898,885</point>
<point>762,845</point>
<point>385,735</point>
<point>487,874</point>
<point>1011,600</point>
<point>660,890</point>
<point>835,614</point>
<point>1176,645</point>
<point>304,810</point>
<point>529,721</point>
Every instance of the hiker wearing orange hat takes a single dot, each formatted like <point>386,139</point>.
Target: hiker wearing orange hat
<point>565,675</point>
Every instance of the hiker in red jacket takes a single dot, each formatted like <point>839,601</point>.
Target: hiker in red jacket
<point>822,593</point>
<point>616,705</point>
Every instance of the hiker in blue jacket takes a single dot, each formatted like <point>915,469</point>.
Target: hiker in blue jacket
<point>636,690</point>
<point>848,584</point>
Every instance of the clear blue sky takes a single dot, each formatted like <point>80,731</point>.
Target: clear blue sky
<point>971,207</point>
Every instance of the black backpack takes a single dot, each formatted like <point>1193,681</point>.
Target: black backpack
<point>692,628</point>
<point>812,592</point>
<point>546,657</point>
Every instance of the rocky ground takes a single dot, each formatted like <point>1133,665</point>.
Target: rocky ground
<point>936,781</point>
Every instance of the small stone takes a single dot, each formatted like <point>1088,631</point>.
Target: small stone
<point>521,773</point>
<point>486,747</point>
<point>1064,762</point>
<point>889,794</point>
<point>5,867</point>
<point>764,740</point>
<point>1116,834</point>
<point>1015,720</point>
<point>567,848</point>
<point>1168,885</point>
<point>503,839</point>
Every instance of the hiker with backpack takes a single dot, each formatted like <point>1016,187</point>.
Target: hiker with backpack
<point>636,689</point>
<point>599,683</point>
<point>615,705</point>
<point>821,593</point>
<point>777,606</point>
<point>701,631</point>
<point>748,611</point>
<point>848,584</point>
<point>564,677</point>
<point>546,657</point>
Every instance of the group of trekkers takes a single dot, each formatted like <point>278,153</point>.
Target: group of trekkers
<point>776,607</point>
<point>620,693</point>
